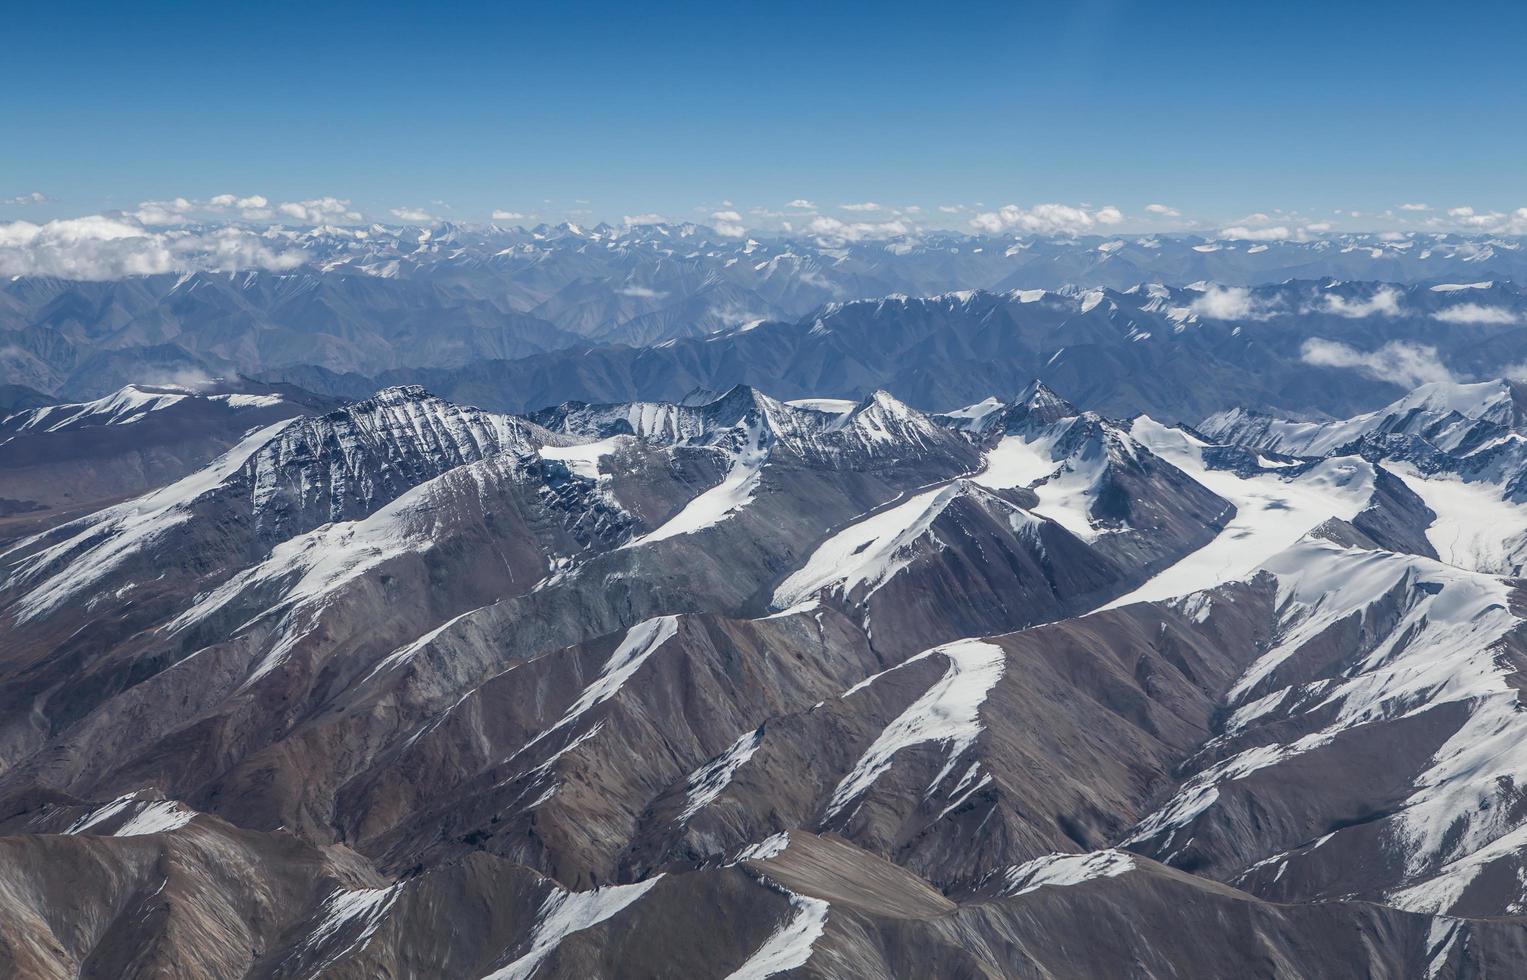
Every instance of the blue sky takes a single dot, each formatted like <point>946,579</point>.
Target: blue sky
<point>602,110</point>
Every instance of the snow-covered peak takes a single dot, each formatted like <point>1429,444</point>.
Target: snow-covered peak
<point>1447,415</point>
<point>1040,402</point>
<point>123,407</point>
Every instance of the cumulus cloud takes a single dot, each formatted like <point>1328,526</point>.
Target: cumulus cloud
<point>172,212</point>
<point>1498,222</point>
<point>650,218</point>
<point>222,201</point>
<point>35,197</point>
<point>1385,301</point>
<point>320,210</point>
<point>854,231</point>
<point>1277,233</point>
<point>1045,219</point>
<point>953,208</point>
<point>1161,210</point>
<point>111,247</point>
<point>641,292</point>
<point>1414,207</point>
<point>412,214</point>
<point>1403,363</point>
<point>862,206</point>
<point>802,204</point>
<point>502,215</point>
<point>1476,313</point>
<point>728,223</point>
<point>1225,303</point>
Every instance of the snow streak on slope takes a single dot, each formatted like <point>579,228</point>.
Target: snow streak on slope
<point>1442,647</point>
<point>707,782</point>
<point>311,567</point>
<point>1272,511</point>
<point>722,500</point>
<point>146,817</point>
<point>872,551</point>
<point>564,913</point>
<point>1476,528</point>
<point>1065,869</point>
<point>948,712</point>
<point>106,539</point>
<point>790,946</point>
<point>361,911</point>
<point>638,644</point>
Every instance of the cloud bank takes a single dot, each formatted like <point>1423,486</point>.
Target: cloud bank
<point>1045,219</point>
<point>1403,363</point>
<point>101,247</point>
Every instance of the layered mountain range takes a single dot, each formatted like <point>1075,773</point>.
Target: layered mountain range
<point>504,316</point>
<point>751,682</point>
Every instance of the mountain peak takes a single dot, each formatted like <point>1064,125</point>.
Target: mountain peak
<point>1039,403</point>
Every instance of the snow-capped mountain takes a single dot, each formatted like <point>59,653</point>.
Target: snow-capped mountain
<point>59,460</point>
<point>740,685</point>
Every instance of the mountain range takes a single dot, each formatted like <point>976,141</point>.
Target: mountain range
<point>379,306</point>
<point>826,678</point>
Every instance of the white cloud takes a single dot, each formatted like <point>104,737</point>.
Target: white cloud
<point>1163,211</point>
<point>641,292</point>
<point>172,212</point>
<point>864,206</point>
<point>854,231</point>
<point>1385,301</point>
<point>1224,303</point>
<point>953,208</point>
<point>1414,207</point>
<point>36,197</point>
<point>1277,233</point>
<point>502,215</point>
<point>1317,227</point>
<point>1476,313</point>
<point>802,204</point>
<point>650,218</point>
<point>1497,222</point>
<point>1403,363</point>
<point>320,210</point>
<point>225,201</point>
<point>105,247</point>
<point>728,223</point>
<point>1045,219</point>
<point>412,214</point>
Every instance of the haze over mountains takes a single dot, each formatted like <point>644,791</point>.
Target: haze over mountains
<point>506,317</point>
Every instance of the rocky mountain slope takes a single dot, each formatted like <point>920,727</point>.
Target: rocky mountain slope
<point>59,460</point>
<point>736,686</point>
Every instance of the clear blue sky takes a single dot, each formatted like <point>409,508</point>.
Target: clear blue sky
<point>1214,108</point>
